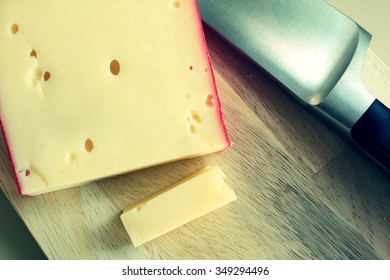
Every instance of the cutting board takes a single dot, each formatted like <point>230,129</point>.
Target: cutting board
<point>303,192</point>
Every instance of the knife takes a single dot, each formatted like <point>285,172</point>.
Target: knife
<point>316,53</point>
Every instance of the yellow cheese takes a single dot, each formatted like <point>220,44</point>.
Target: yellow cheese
<point>91,89</point>
<point>177,205</point>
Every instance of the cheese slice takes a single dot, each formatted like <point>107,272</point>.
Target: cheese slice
<point>91,89</point>
<point>190,198</point>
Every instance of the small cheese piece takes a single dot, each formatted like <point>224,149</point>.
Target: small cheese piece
<point>91,89</point>
<point>190,198</point>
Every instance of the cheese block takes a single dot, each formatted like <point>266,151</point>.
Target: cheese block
<point>91,89</point>
<point>172,207</point>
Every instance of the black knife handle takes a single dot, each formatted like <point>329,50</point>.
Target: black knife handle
<point>372,133</point>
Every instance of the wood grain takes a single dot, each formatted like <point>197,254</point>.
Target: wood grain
<point>303,192</point>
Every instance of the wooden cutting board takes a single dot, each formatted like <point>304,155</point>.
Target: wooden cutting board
<point>303,193</point>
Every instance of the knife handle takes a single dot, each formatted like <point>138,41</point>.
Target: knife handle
<point>372,132</point>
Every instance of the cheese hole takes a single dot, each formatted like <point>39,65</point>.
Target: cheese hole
<point>14,28</point>
<point>36,75</point>
<point>33,54</point>
<point>192,129</point>
<point>195,116</point>
<point>27,172</point>
<point>209,100</point>
<point>115,67</point>
<point>140,207</point>
<point>176,4</point>
<point>46,76</point>
<point>88,145</point>
<point>70,157</point>
<point>191,67</point>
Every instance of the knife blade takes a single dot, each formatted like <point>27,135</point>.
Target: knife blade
<point>316,53</point>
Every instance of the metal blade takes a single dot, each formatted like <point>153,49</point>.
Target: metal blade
<point>305,44</point>
<point>312,49</point>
